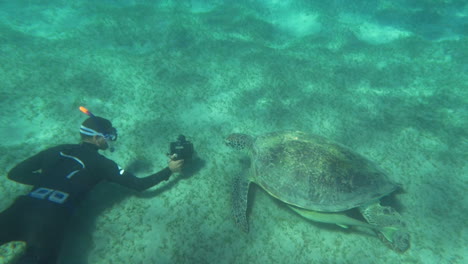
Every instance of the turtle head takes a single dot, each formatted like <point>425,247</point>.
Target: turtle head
<point>238,141</point>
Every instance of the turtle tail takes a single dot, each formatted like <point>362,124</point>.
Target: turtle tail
<point>240,193</point>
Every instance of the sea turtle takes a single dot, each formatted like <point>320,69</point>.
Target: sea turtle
<point>320,180</point>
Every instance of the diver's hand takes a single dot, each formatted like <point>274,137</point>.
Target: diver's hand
<point>175,165</point>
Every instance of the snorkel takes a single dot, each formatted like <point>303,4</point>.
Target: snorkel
<point>109,136</point>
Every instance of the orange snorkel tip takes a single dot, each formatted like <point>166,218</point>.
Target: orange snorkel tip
<point>86,111</point>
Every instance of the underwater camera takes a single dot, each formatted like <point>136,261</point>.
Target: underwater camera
<point>182,148</point>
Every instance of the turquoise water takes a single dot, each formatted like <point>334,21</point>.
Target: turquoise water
<point>388,79</point>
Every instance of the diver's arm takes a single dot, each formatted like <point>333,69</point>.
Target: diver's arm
<point>27,171</point>
<point>111,172</point>
<point>129,180</point>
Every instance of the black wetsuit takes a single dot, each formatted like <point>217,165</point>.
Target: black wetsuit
<point>68,172</point>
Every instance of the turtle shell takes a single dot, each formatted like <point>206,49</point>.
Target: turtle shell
<point>315,173</point>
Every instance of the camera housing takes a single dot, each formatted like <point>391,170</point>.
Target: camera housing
<point>182,148</point>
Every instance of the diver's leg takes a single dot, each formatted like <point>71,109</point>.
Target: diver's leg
<point>46,232</point>
<point>9,224</point>
<point>46,243</point>
<point>42,255</point>
<point>11,248</point>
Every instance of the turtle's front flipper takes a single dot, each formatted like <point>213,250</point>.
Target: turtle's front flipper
<point>393,230</point>
<point>240,193</point>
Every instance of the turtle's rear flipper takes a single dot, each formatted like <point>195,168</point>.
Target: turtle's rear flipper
<point>396,238</point>
<point>392,228</point>
<point>240,193</point>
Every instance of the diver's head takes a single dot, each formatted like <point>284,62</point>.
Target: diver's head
<point>98,131</point>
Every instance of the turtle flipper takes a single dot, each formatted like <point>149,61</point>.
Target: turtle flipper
<point>240,193</point>
<point>392,228</point>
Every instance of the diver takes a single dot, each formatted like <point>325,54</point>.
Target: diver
<point>61,176</point>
